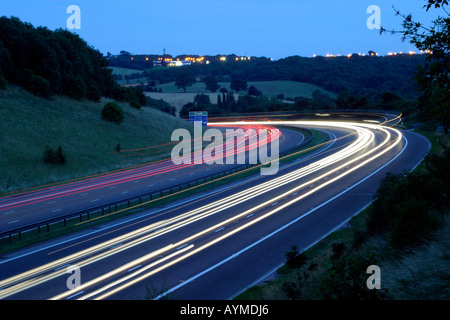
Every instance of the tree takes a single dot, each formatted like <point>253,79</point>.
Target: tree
<point>253,91</point>
<point>43,61</point>
<point>211,83</point>
<point>389,97</point>
<point>112,112</point>
<point>202,99</point>
<point>54,156</point>
<point>184,80</point>
<point>433,78</point>
<point>238,85</point>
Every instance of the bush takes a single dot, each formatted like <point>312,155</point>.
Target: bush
<point>37,85</point>
<point>94,94</point>
<point>135,104</point>
<point>113,112</point>
<point>75,88</point>
<point>295,259</point>
<point>254,92</point>
<point>134,96</point>
<point>3,83</point>
<point>54,156</point>
<point>346,279</point>
<point>407,207</point>
<point>161,105</point>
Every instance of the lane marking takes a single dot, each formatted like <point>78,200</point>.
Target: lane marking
<point>281,228</point>
<point>134,268</point>
<point>13,221</point>
<point>194,198</point>
<point>74,295</point>
<point>118,245</point>
<point>59,268</point>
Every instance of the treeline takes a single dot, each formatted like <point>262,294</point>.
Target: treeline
<point>49,62</point>
<point>253,101</point>
<point>356,75</point>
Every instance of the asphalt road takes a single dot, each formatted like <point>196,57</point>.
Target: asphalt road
<point>26,208</point>
<point>215,244</point>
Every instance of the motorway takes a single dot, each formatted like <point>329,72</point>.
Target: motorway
<point>27,207</point>
<point>215,244</point>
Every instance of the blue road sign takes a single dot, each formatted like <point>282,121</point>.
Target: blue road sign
<point>199,116</point>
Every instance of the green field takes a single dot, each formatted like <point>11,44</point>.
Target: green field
<point>124,71</point>
<point>31,123</point>
<point>179,99</point>
<point>290,89</point>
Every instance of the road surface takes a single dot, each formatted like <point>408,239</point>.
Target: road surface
<point>215,244</point>
<point>24,208</point>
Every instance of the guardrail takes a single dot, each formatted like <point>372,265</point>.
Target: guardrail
<point>109,207</point>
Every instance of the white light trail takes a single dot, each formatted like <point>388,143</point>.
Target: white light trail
<point>359,150</point>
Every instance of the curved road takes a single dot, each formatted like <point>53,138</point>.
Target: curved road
<point>24,208</point>
<point>215,244</point>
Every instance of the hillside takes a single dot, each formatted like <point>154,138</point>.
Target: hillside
<point>369,76</point>
<point>31,123</point>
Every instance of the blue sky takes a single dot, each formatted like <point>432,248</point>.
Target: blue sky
<point>270,28</point>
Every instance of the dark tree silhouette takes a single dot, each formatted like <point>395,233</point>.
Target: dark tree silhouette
<point>432,78</point>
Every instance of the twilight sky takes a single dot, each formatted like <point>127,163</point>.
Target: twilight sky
<point>270,28</point>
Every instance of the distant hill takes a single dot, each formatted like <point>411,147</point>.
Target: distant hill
<point>358,75</point>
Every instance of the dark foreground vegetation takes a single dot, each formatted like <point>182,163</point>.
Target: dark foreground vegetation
<point>405,232</point>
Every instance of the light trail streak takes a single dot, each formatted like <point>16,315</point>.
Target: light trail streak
<point>117,178</point>
<point>365,137</point>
